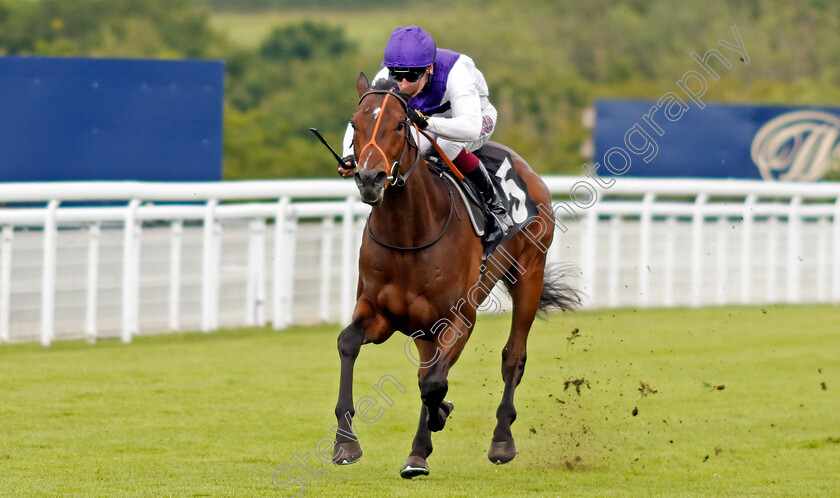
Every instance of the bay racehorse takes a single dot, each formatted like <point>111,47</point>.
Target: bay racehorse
<point>421,273</point>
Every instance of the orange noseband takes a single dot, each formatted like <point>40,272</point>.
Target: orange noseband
<point>372,142</point>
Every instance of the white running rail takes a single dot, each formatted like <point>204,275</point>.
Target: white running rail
<point>116,259</point>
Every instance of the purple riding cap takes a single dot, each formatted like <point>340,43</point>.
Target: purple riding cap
<point>409,47</point>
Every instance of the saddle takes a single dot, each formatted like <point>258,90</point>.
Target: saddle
<point>510,187</point>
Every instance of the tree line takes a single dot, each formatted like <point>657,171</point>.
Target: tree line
<point>546,61</point>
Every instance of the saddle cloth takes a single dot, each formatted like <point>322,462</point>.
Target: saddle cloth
<point>510,187</point>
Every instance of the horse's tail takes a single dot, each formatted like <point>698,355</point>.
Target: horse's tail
<point>557,293</point>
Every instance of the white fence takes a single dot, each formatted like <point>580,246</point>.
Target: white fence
<point>210,255</point>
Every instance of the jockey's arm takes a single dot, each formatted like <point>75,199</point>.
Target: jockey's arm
<point>347,144</point>
<point>464,125</point>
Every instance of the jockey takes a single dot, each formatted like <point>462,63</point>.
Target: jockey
<point>448,98</point>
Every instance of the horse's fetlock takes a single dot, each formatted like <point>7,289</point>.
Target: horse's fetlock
<point>342,413</point>
<point>433,388</point>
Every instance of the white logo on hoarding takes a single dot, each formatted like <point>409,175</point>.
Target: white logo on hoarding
<point>799,145</point>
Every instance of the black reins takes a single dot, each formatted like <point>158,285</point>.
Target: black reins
<point>424,246</point>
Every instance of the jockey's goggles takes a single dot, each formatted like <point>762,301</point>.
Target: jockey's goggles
<point>411,74</point>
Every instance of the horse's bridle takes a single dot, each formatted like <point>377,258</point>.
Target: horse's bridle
<point>395,178</point>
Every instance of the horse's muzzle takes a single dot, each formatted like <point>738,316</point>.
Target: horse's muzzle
<point>371,186</point>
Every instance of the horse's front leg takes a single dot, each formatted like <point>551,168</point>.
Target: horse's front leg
<point>368,326</point>
<point>415,465</point>
<point>347,449</point>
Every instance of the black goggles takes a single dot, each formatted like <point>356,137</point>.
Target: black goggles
<point>411,74</point>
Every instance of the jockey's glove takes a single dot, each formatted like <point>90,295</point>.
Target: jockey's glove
<point>343,167</point>
<point>418,118</point>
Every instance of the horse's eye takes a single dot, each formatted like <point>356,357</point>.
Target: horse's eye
<point>352,125</point>
<point>401,126</point>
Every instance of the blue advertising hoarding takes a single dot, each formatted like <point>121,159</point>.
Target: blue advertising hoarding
<point>670,138</point>
<point>110,119</point>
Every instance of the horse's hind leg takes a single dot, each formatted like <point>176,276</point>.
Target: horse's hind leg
<point>526,297</point>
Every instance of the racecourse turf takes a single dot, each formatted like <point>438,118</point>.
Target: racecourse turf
<point>716,401</point>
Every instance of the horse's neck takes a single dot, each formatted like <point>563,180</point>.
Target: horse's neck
<point>413,213</point>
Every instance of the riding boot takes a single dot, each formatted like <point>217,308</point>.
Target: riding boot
<point>501,219</point>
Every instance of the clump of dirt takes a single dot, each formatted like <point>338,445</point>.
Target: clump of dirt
<point>645,388</point>
<point>635,410</point>
<point>576,383</point>
<point>714,387</point>
<point>718,449</point>
<point>823,386</point>
<point>571,339</point>
<point>572,464</point>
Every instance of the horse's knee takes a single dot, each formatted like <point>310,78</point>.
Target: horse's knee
<point>350,341</point>
<point>508,354</point>
<point>433,388</point>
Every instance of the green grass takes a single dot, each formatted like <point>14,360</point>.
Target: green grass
<point>216,414</point>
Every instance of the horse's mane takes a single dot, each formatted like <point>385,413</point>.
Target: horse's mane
<point>384,84</point>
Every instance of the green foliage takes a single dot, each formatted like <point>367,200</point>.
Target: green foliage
<point>261,5</point>
<point>305,41</point>
<point>273,140</point>
<point>126,28</point>
<point>545,64</point>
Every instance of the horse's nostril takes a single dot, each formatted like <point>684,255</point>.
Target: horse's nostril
<point>380,178</point>
<point>371,179</point>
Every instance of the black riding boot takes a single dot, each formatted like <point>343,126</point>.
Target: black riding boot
<point>502,221</point>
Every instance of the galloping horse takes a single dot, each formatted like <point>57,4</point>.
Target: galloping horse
<point>421,272</point>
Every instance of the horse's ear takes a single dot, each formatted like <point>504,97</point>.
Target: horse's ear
<point>362,84</point>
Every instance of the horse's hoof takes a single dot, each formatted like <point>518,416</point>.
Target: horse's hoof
<point>501,452</point>
<point>346,453</point>
<point>414,466</point>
